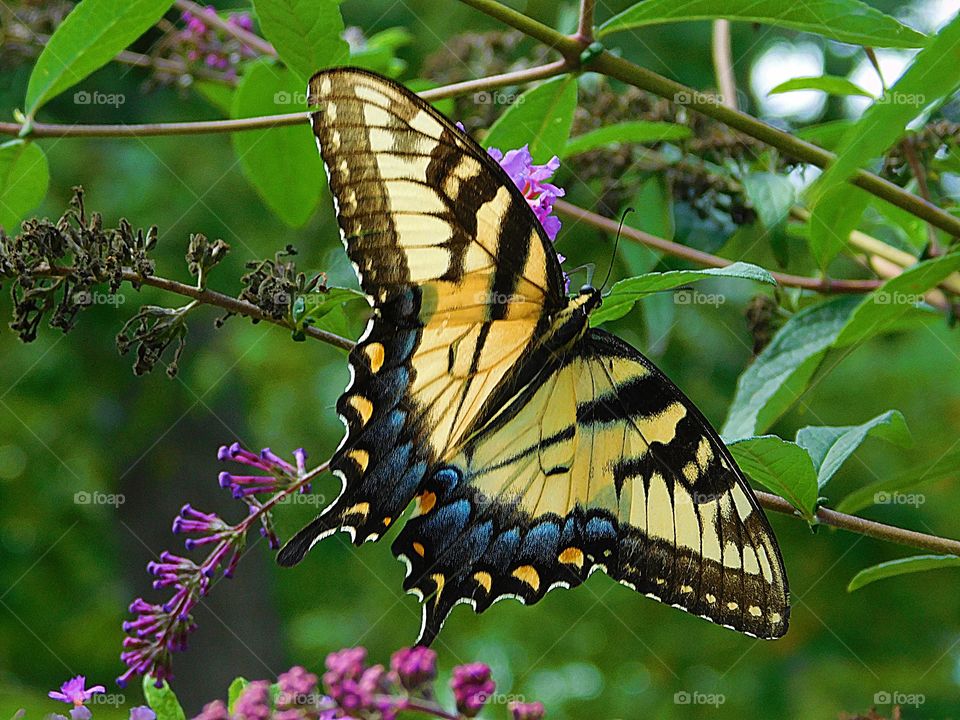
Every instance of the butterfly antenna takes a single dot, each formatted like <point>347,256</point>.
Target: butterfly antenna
<point>616,244</point>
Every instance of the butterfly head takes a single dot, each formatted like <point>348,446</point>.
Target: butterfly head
<point>589,299</point>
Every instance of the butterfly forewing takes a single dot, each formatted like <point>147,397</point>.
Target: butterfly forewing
<point>458,271</point>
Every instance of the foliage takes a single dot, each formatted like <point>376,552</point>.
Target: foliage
<point>822,378</point>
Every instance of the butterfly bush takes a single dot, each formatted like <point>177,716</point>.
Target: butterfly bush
<point>76,693</point>
<point>532,180</point>
<point>203,43</point>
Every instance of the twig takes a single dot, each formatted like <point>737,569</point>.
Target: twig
<point>920,174</point>
<point>227,302</point>
<point>862,526</point>
<point>723,63</point>
<point>584,33</point>
<point>205,127</point>
<point>625,71</point>
<point>251,40</point>
<point>823,285</point>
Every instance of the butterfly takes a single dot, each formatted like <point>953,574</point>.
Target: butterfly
<point>535,448</point>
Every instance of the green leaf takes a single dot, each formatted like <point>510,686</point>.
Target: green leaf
<point>848,21</point>
<point>772,196</point>
<point>902,566</point>
<point>540,117</point>
<point>238,685</point>
<point>306,33</point>
<point>379,53</point>
<point>832,220</point>
<point>929,79</point>
<point>782,466</point>
<point>885,307</point>
<point>313,309</point>
<point>162,700</point>
<point>894,490</point>
<point>90,37</point>
<point>625,293</point>
<point>827,135</point>
<point>829,447</point>
<point>217,94</point>
<point>282,163</point>
<point>778,376</point>
<point>830,84</point>
<point>640,131</point>
<point>24,177</point>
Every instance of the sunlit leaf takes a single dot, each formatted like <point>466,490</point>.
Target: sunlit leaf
<point>902,566</point>
<point>830,446</point>
<point>307,34</point>
<point>638,131</point>
<point>624,294</point>
<point>848,21</point>
<point>830,84</point>
<point>782,466</point>
<point>540,117</point>
<point>90,37</point>
<point>282,163</point>
<point>162,700</point>
<point>24,177</point>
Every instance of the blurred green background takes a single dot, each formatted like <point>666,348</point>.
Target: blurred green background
<point>74,419</point>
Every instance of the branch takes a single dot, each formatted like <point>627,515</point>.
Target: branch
<point>723,63</point>
<point>227,302</point>
<point>862,526</point>
<point>251,40</point>
<point>584,34</point>
<point>822,285</point>
<point>206,127</point>
<point>625,71</point>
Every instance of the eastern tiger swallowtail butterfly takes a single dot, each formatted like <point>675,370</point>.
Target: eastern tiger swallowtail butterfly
<point>536,449</point>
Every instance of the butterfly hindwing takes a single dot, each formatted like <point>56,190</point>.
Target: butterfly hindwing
<point>602,464</point>
<point>458,271</point>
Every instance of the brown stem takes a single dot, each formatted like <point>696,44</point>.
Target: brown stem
<point>204,127</point>
<point>251,40</point>
<point>584,33</point>
<point>862,526</point>
<point>823,285</point>
<point>916,167</point>
<point>723,63</point>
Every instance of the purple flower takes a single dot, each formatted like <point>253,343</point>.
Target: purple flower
<point>142,712</point>
<point>296,686</point>
<point>216,710</point>
<point>75,691</point>
<point>254,702</point>
<point>414,667</point>
<point>532,181</point>
<point>526,711</point>
<point>472,686</point>
<point>80,712</point>
<point>277,472</point>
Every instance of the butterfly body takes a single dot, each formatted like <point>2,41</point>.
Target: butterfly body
<point>535,448</point>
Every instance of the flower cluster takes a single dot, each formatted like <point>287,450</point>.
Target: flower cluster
<point>352,689</point>
<point>76,693</point>
<point>532,181</point>
<point>204,43</point>
<point>161,629</point>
